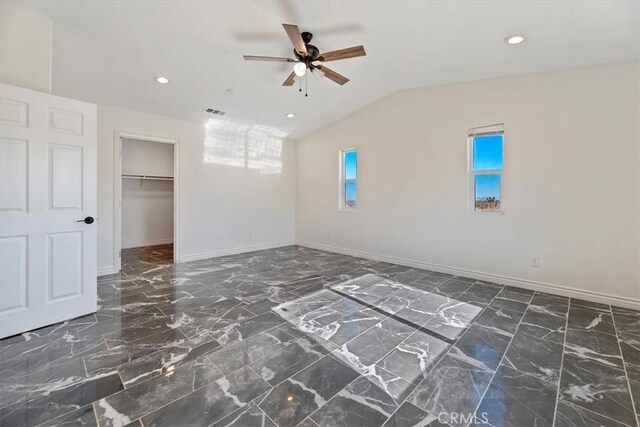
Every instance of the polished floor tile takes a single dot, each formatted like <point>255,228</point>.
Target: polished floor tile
<point>597,387</point>
<point>568,415</point>
<point>360,404</point>
<point>211,402</point>
<point>309,390</point>
<point>545,324</point>
<point>535,356</point>
<point>414,357</point>
<point>409,415</point>
<point>455,386</point>
<point>300,337</point>
<point>517,399</point>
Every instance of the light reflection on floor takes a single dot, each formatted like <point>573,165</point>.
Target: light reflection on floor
<point>424,325</point>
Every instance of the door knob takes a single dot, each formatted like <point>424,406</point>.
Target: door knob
<point>87,220</point>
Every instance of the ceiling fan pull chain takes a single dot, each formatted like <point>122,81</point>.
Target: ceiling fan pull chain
<point>306,84</point>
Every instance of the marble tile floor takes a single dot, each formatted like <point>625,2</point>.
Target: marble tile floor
<point>300,337</point>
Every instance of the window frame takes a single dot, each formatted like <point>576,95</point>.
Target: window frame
<point>497,129</point>
<point>342,181</point>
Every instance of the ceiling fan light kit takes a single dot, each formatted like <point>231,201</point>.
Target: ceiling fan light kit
<point>300,69</point>
<point>306,54</point>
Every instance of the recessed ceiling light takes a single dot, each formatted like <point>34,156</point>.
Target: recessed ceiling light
<point>514,39</point>
<point>290,116</point>
<point>162,80</point>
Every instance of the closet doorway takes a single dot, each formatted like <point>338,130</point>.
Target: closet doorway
<point>146,195</point>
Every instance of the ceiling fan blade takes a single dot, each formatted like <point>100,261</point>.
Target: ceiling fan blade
<point>350,52</point>
<point>290,80</point>
<point>332,75</point>
<point>267,58</point>
<point>294,34</point>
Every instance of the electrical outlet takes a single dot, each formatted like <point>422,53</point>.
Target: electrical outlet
<point>329,235</point>
<point>535,261</point>
<point>250,235</point>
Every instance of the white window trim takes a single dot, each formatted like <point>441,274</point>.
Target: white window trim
<point>342,181</point>
<point>471,133</point>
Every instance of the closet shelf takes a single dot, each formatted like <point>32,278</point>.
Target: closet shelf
<point>150,177</point>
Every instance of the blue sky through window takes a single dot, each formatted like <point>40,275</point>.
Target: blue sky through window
<point>350,164</point>
<point>487,153</point>
<point>350,194</point>
<point>350,172</point>
<point>487,186</point>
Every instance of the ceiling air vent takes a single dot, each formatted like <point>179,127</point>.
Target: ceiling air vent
<point>214,111</point>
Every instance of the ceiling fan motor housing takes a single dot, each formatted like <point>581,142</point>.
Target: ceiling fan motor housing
<point>312,54</point>
<point>306,37</point>
<point>312,51</point>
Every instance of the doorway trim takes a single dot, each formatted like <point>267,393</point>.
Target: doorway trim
<point>117,193</point>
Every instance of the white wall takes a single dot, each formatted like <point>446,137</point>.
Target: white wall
<point>571,189</point>
<point>234,181</point>
<point>147,158</point>
<point>25,48</point>
<point>147,205</point>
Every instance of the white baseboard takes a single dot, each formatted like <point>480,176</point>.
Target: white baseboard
<point>149,243</point>
<point>105,271</point>
<point>489,277</point>
<point>233,251</point>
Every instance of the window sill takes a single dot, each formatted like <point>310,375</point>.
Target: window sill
<point>474,212</point>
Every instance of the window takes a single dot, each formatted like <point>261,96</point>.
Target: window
<point>348,179</point>
<point>486,155</point>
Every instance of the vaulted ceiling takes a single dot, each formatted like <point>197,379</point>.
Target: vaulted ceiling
<point>108,52</point>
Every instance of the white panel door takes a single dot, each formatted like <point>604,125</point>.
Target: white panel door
<point>47,190</point>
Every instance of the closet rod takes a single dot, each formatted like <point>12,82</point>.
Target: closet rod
<point>151,177</point>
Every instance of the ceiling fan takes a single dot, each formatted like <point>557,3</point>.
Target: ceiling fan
<point>306,54</point>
